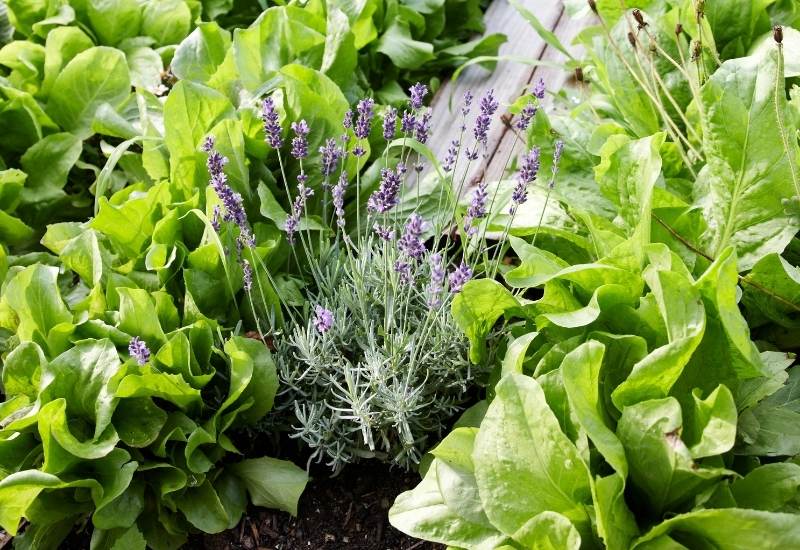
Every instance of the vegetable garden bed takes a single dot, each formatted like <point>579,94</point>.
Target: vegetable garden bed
<point>399,274</point>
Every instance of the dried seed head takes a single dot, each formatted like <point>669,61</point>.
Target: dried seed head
<point>592,5</point>
<point>579,74</point>
<point>777,34</point>
<point>632,39</point>
<point>697,50</point>
<point>637,14</point>
<point>700,8</point>
<point>678,29</point>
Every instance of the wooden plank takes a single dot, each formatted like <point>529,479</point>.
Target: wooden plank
<point>554,78</point>
<point>508,79</point>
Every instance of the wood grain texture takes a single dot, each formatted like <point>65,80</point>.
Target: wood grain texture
<point>508,79</point>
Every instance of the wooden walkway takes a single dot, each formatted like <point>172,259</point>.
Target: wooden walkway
<point>509,80</point>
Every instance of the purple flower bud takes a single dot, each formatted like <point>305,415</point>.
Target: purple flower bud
<point>539,89</point>
<point>247,276</point>
<point>557,158</point>
<point>385,233</point>
<point>272,128</point>
<point>359,151</point>
<point>292,223</point>
<point>477,208</point>
<point>386,196</point>
<point>452,153</point>
<point>525,117</point>
<point>424,127</point>
<point>139,350</point>
<point>338,198</point>
<point>459,277</point>
<point>418,92</point>
<point>411,243</point>
<point>330,155</point>
<point>233,207</point>
<point>408,123</point>
<point>364,119</point>
<point>323,319</point>
<point>215,219</point>
<point>389,124</point>
<point>528,170</point>
<point>300,139</point>
<point>347,122</point>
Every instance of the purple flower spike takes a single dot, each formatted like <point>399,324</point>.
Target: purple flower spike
<point>300,139</point>
<point>233,208</point>
<point>385,233</point>
<point>139,350</point>
<point>338,198</point>
<point>488,107</point>
<point>347,122</point>
<point>459,277</point>
<point>539,89</point>
<point>418,92</point>
<point>272,128</point>
<point>434,288</point>
<point>525,117</point>
<point>466,107</point>
<point>216,218</point>
<point>386,196</point>
<point>365,115</point>
<point>408,124</point>
<point>330,155</point>
<point>424,127</point>
<point>556,159</point>
<point>477,208</point>
<point>452,153</point>
<point>247,276</point>
<point>411,243</point>
<point>390,124</point>
<point>323,319</point>
<point>404,269</point>
<point>528,170</point>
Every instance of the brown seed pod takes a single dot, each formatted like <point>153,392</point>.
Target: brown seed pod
<point>697,50</point>
<point>632,39</point>
<point>592,5</point>
<point>777,34</point>
<point>579,74</point>
<point>678,29</point>
<point>637,14</point>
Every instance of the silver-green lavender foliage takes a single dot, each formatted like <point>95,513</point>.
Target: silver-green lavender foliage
<point>385,378</point>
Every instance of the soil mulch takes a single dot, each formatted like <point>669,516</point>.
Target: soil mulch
<point>348,512</point>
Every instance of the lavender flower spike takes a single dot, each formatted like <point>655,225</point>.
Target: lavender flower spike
<point>556,159</point>
<point>338,198</point>
<point>300,139</point>
<point>488,107</point>
<point>539,89</point>
<point>139,350</point>
<point>459,277</point>
<point>365,115</point>
<point>528,170</point>
<point>386,196</point>
<point>323,319</point>
<point>418,92</point>
<point>466,107</point>
<point>384,233</point>
<point>330,155</point>
<point>423,129</point>
<point>247,276</point>
<point>477,208</point>
<point>452,153</point>
<point>411,243</point>
<point>389,124</point>
<point>272,128</point>
<point>408,124</point>
<point>231,200</point>
<point>405,271</point>
<point>525,116</point>
<point>434,287</point>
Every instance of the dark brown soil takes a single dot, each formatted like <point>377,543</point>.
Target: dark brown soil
<point>348,512</point>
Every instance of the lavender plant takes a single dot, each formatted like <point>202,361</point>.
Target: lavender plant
<point>375,365</point>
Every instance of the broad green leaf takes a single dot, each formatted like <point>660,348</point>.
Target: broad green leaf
<point>727,529</point>
<point>93,77</point>
<point>772,427</point>
<point>47,164</point>
<point>748,173</point>
<point>477,308</point>
<point>252,377</point>
<point>399,46</point>
<point>138,316</point>
<point>778,297</point>
<point>684,317</point>
<point>61,45</point>
<point>148,382</point>
<point>735,25</point>
<point>661,466</point>
<point>166,21</point>
<point>524,464</point>
<point>201,53</point>
<point>616,524</point>
<point>515,353</point>
<point>22,370</point>
<point>772,488</point>
<point>581,373</point>
<point>114,20</point>
<point>711,426</point>
<point>272,483</point>
<point>203,509</point>
<point>548,531</point>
